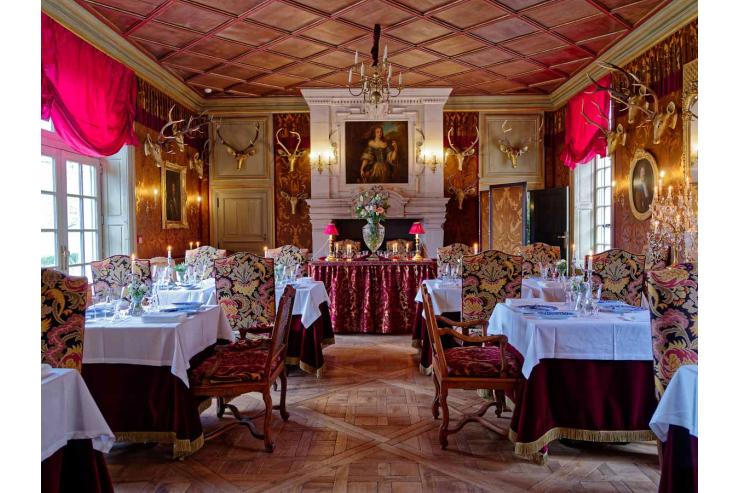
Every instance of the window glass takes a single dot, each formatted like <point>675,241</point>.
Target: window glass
<point>73,178</point>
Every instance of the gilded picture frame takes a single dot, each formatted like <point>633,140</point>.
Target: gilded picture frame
<point>689,117</point>
<point>376,152</point>
<point>174,196</point>
<point>642,183</point>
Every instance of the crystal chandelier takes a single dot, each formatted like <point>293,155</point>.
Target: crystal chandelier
<point>675,222</point>
<point>375,88</point>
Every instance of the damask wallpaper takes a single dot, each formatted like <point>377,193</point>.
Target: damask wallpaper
<point>149,229</point>
<point>507,214</point>
<point>461,224</point>
<point>557,175</point>
<point>292,227</point>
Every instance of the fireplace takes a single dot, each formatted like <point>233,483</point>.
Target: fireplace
<point>395,229</point>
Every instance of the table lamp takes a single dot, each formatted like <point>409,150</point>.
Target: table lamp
<point>331,230</point>
<point>417,229</point>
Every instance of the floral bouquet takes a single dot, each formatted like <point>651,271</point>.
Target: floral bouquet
<point>578,285</point>
<point>136,290</point>
<point>561,267</point>
<point>371,205</point>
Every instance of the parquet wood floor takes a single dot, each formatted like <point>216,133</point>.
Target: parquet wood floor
<point>366,426</point>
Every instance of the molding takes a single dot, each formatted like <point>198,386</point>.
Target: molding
<point>503,104</point>
<point>658,27</point>
<point>262,105</point>
<point>91,29</point>
<point>412,96</point>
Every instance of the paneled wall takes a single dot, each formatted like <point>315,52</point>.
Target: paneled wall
<point>461,220</point>
<point>292,227</point>
<point>557,175</point>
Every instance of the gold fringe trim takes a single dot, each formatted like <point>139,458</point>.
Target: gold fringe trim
<point>416,343</point>
<point>310,369</point>
<point>328,341</point>
<point>425,371</point>
<point>180,447</point>
<point>531,449</point>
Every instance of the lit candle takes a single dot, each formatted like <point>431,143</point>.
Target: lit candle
<point>200,199</point>
<point>264,249</point>
<point>475,248</point>
<point>362,70</point>
<point>385,53</point>
<point>349,250</point>
<point>169,251</point>
<point>197,244</point>
<point>191,245</point>
<point>390,71</point>
<point>400,78</point>
<point>590,260</point>
<point>355,57</point>
<point>156,192</point>
<point>133,258</point>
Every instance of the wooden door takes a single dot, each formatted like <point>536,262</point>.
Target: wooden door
<point>548,217</point>
<point>244,219</point>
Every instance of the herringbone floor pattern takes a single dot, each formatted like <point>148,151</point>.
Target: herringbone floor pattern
<point>366,426</point>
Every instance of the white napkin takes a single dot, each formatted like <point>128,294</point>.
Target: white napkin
<point>45,369</point>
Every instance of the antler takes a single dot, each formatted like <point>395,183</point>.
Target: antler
<point>239,155</point>
<point>170,123</point>
<point>469,151</point>
<point>590,121</point>
<point>449,141</point>
<point>277,137</point>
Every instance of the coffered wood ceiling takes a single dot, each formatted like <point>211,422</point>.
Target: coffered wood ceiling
<point>259,48</point>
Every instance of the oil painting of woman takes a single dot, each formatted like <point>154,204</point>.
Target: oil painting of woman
<point>376,152</point>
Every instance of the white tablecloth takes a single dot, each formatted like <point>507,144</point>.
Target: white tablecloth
<point>604,337</point>
<point>446,295</point>
<point>678,406</point>
<point>534,287</point>
<point>135,342</point>
<point>68,412</point>
<point>309,296</point>
<point>206,294</point>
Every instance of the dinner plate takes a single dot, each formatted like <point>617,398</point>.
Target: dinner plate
<point>538,308</point>
<point>610,302</point>
<point>557,315</point>
<point>188,304</point>
<point>620,308</point>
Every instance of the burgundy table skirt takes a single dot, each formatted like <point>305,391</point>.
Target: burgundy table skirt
<point>679,469</point>
<point>372,297</point>
<point>305,344</point>
<point>147,404</point>
<point>587,400</point>
<point>75,468</point>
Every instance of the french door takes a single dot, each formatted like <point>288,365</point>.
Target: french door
<point>70,211</point>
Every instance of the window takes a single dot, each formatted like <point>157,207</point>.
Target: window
<point>592,207</point>
<point>603,205</point>
<point>71,211</point>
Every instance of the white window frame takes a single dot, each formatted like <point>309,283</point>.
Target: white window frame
<point>603,203</point>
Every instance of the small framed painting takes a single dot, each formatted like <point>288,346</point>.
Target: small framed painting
<point>376,152</point>
<point>643,179</point>
<point>174,196</point>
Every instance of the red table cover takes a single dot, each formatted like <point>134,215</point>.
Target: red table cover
<point>77,467</point>
<point>305,343</point>
<point>372,297</point>
<point>679,469</point>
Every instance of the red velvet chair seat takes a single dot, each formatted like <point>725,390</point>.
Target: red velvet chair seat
<point>481,362</point>
<point>238,362</point>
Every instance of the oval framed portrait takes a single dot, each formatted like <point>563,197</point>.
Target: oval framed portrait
<point>643,179</point>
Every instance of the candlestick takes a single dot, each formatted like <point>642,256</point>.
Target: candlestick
<point>590,260</point>
<point>349,250</point>
<point>355,57</point>
<point>133,258</point>
<point>169,251</point>
<point>362,70</point>
<point>349,81</point>
<point>385,53</point>
<point>400,79</point>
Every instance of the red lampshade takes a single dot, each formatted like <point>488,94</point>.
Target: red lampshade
<point>331,229</point>
<point>417,229</point>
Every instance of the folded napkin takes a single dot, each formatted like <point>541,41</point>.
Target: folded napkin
<point>520,301</point>
<point>45,369</point>
<point>163,317</point>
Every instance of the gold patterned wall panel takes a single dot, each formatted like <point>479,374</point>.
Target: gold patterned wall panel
<point>461,220</point>
<point>484,220</point>
<point>507,217</point>
<point>292,226</point>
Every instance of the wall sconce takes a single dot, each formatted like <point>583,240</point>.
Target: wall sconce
<point>430,159</point>
<point>323,160</point>
<point>151,203</point>
<point>618,194</point>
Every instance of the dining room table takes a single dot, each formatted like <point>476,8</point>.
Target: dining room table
<point>676,424</point>
<point>137,371</point>
<point>311,327</point>
<point>74,435</point>
<point>580,373</point>
<point>203,292</point>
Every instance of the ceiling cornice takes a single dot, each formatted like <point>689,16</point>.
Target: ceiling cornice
<point>86,25</point>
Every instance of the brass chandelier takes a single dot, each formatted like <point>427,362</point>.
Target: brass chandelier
<point>375,88</point>
<point>675,222</point>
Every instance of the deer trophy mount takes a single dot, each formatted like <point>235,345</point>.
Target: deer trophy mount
<point>239,155</point>
<point>198,161</point>
<point>163,144</point>
<point>291,157</point>
<point>459,191</point>
<point>514,152</point>
<point>614,137</point>
<point>293,199</point>
<point>459,155</point>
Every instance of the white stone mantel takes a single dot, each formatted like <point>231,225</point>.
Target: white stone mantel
<point>422,197</point>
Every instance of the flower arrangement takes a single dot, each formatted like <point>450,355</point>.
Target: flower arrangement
<point>371,205</point>
<point>561,267</point>
<point>137,290</point>
<point>578,285</point>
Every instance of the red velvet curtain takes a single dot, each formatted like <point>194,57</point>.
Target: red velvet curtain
<point>90,97</point>
<point>582,140</point>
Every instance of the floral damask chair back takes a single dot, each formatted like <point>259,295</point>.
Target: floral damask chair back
<point>489,278</point>
<point>202,259</point>
<point>452,253</point>
<point>245,286</point>
<point>621,275</point>
<point>536,254</point>
<point>112,274</point>
<point>63,303</point>
<point>290,256</point>
<point>673,296</point>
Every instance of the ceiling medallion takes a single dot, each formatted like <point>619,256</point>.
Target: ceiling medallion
<point>375,88</point>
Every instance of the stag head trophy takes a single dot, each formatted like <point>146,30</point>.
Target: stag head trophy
<point>162,145</point>
<point>294,156</point>
<point>198,161</point>
<point>614,137</point>
<point>460,191</point>
<point>240,155</point>
<point>513,152</point>
<point>293,199</point>
<point>459,155</point>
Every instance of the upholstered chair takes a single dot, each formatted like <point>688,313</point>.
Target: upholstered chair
<point>476,363</point>
<point>620,274</point>
<point>112,274</point>
<point>202,259</point>
<point>290,256</point>
<point>402,246</point>
<point>657,256</point>
<point>536,254</point>
<point>63,303</point>
<point>673,296</point>
<point>245,286</point>
<point>341,246</point>
<point>489,278</point>
<point>248,366</point>
<point>452,253</point>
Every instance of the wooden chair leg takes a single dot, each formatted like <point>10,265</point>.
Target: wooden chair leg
<point>283,391</point>
<point>435,403</point>
<point>220,407</point>
<point>500,402</point>
<point>445,418</point>
<point>269,444</point>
